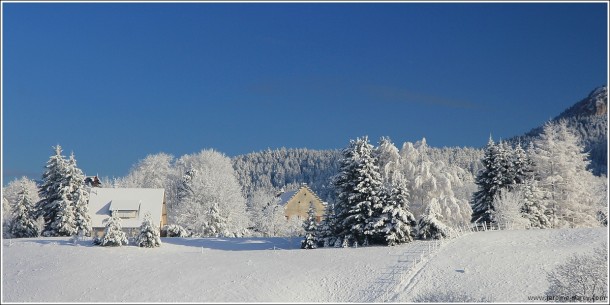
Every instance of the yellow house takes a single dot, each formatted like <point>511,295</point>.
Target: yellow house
<point>296,203</point>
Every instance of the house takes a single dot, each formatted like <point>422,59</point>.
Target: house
<point>296,203</point>
<point>130,204</point>
<point>93,181</point>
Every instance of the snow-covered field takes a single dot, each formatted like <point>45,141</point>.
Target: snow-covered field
<point>499,265</point>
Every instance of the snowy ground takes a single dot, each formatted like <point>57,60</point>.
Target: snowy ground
<point>500,265</point>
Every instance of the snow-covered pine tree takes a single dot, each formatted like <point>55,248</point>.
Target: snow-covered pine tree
<point>430,225</point>
<point>488,184</point>
<point>523,166</point>
<point>326,235</point>
<point>51,190</point>
<point>400,226</point>
<point>504,166</point>
<point>217,224</point>
<point>533,207</point>
<point>149,236</point>
<point>344,183</point>
<point>359,188</point>
<point>79,196</point>
<point>64,223</point>
<point>310,226</point>
<point>113,233</point>
<point>23,223</point>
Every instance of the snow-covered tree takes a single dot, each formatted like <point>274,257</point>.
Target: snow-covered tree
<point>488,184</point>
<point>533,207</point>
<point>217,223</point>
<point>561,168</point>
<point>583,277</point>
<point>388,160</point>
<point>326,229</point>
<point>504,164</point>
<point>509,204</point>
<point>52,190</point>
<point>154,171</point>
<point>64,223</point>
<point>266,215</point>
<point>310,227</point>
<point>400,224</point>
<point>151,172</point>
<point>23,222</point>
<point>79,197</point>
<point>7,212</point>
<point>113,233</point>
<point>429,179</point>
<point>174,230</point>
<point>430,226</point>
<point>149,233</point>
<point>211,182</point>
<point>523,166</point>
<point>11,195</point>
<point>360,194</point>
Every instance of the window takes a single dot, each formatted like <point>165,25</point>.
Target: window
<point>126,213</point>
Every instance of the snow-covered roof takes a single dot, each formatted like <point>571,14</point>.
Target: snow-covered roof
<point>125,205</point>
<point>103,200</point>
<point>284,197</point>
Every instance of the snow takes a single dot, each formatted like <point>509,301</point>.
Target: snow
<point>501,266</point>
<point>504,265</point>
<point>103,200</point>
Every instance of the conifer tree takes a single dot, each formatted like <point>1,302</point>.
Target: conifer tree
<point>488,184</point>
<point>430,225</point>
<point>80,197</point>
<point>533,207</point>
<point>400,225</point>
<point>504,166</point>
<point>325,230</point>
<point>359,189</point>
<point>149,236</point>
<point>23,223</point>
<point>217,224</point>
<point>310,226</point>
<point>64,223</point>
<point>51,190</point>
<point>113,233</point>
<point>522,165</point>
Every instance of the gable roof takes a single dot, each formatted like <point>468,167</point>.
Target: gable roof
<point>125,205</point>
<point>287,196</point>
<point>103,200</point>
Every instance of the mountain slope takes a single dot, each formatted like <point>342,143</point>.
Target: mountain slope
<point>588,118</point>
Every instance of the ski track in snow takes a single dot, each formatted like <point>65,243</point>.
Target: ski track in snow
<point>500,265</point>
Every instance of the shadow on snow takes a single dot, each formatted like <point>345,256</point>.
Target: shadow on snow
<point>237,244</point>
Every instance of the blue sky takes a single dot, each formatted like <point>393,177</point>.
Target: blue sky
<point>116,82</point>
